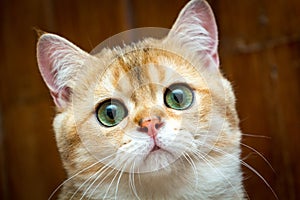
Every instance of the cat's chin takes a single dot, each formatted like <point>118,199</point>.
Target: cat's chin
<point>157,159</point>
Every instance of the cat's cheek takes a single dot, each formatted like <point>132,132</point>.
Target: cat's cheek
<point>167,138</point>
<point>126,140</point>
<point>136,142</point>
<point>134,154</point>
<point>137,150</point>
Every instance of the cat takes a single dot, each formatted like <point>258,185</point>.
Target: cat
<point>151,120</point>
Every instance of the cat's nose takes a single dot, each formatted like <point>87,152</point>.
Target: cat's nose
<point>150,125</point>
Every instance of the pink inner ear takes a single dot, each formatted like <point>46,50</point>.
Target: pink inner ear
<point>50,48</point>
<point>45,50</point>
<point>197,19</point>
<point>205,14</point>
<point>61,97</point>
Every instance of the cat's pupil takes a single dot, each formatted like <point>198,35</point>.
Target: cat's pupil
<point>111,111</point>
<point>178,96</point>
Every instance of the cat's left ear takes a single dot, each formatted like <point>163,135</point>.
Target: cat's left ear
<point>196,29</point>
<point>59,62</point>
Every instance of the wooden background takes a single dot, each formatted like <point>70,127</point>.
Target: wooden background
<point>260,54</point>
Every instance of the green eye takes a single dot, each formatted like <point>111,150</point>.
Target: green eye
<point>111,112</point>
<point>179,97</point>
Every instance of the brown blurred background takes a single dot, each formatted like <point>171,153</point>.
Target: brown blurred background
<point>260,54</point>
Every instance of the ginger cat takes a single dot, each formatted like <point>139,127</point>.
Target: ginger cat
<point>151,120</point>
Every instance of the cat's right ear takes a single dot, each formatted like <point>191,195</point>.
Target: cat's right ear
<point>196,29</point>
<point>59,61</point>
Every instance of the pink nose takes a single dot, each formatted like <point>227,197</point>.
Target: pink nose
<point>150,126</point>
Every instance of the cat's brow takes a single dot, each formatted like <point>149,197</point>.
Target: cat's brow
<point>133,65</point>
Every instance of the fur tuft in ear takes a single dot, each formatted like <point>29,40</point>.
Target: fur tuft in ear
<point>59,61</point>
<point>196,29</point>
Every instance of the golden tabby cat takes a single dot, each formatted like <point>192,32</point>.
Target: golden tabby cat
<point>151,120</point>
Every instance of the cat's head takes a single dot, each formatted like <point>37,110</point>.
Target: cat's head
<point>157,105</point>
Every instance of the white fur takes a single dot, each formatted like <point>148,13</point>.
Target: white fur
<point>185,167</point>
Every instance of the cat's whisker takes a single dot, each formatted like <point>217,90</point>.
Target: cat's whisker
<point>260,176</point>
<point>200,156</point>
<point>246,165</point>
<point>103,167</point>
<point>243,144</point>
<point>84,183</point>
<point>182,160</point>
<point>117,164</point>
<point>81,186</point>
<point>248,156</point>
<point>78,173</point>
<point>120,176</point>
<point>262,156</point>
<point>108,166</point>
<point>120,172</point>
<point>132,181</point>
<point>191,162</point>
<point>256,136</point>
<point>139,176</point>
<point>98,174</point>
<point>103,179</point>
<point>218,161</point>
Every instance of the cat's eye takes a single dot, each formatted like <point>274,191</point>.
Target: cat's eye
<point>111,112</point>
<point>179,97</point>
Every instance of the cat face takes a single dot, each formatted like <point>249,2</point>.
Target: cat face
<point>145,109</point>
<point>158,107</point>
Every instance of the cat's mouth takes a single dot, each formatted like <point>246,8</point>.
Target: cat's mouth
<point>155,148</point>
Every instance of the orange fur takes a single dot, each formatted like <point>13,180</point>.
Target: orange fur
<point>142,94</point>
<point>195,154</point>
